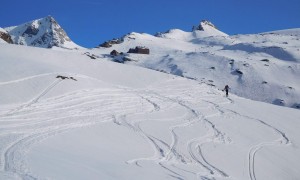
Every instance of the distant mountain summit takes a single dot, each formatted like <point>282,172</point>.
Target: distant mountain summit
<point>208,28</point>
<point>44,32</point>
<point>203,30</point>
<point>204,24</point>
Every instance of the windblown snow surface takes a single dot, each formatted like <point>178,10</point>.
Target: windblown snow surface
<point>64,115</point>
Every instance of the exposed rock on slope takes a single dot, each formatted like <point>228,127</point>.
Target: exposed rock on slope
<point>5,36</point>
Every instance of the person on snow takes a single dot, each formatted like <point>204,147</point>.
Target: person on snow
<point>226,89</point>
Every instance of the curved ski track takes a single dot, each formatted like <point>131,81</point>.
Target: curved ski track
<point>42,118</point>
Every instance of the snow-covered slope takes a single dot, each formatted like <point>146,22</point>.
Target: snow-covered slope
<point>263,67</point>
<point>45,33</point>
<point>64,115</point>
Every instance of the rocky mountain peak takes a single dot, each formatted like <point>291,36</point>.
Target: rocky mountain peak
<point>44,32</point>
<point>203,25</point>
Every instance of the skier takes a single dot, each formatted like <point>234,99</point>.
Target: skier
<point>226,90</point>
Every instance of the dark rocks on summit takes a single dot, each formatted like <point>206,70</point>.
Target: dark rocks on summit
<point>203,23</point>
<point>6,37</point>
<point>108,44</point>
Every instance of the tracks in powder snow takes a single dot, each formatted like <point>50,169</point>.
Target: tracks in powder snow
<point>42,118</point>
<point>186,109</point>
<point>56,82</point>
<point>283,139</point>
<point>214,135</point>
<point>168,154</point>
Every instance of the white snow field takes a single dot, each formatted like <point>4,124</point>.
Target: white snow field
<point>66,116</point>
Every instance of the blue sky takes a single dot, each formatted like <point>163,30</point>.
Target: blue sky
<point>91,22</point>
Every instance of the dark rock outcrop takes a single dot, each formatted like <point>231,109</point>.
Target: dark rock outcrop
<point>139,50</point>
<point>114,53</point>
<point>203,23</point>
<point>108,44</point>
<point>6,37</point>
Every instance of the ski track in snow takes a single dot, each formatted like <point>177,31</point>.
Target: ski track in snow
<point>26,78</point>
<point>283,140</point>
<point>35,99</point>
<point>172,152</point>
<point>41,118</point>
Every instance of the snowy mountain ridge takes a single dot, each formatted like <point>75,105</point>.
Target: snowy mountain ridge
<point>44,32</point>
<point>203,30</point>
<point>263,67</point>
<point>205,26</point>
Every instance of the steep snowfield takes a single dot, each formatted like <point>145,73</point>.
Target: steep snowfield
<point>44,32</point>
<point>263,67</point>
<point>64,115</point>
